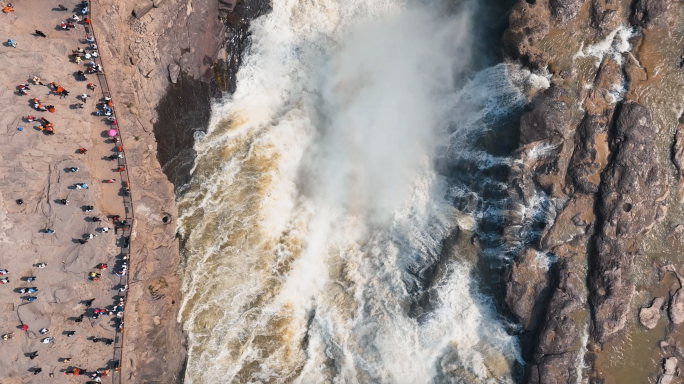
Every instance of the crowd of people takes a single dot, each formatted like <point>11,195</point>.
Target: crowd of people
<point>103,108</point>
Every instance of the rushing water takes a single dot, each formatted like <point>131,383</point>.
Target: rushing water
<point>316,226</point>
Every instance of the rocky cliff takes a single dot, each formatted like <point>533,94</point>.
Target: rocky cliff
<point>166,60</point>
<point>594,185</point>
<point>143,43</point>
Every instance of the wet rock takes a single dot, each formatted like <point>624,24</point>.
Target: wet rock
<point>558,342</point>
<point>633,70</point>
<point>651,13</point>
<point>590,156</point>
<point>571,222</point>
<point>528,23</point>
<point>649,316</point>
<point>526,286</point>
<point>602,14</point>
<point>676,307</point>
<point>546,118</point>
<point>565,10</point>
<point>678,151</point>
<point>174,72</point>
<point>629,210</point>
<point>670,369</point>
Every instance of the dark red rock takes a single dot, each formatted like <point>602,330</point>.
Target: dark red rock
<point>651,13</point>
<point>565,10</point>
<point>546,119</point>
<point>633,191</point>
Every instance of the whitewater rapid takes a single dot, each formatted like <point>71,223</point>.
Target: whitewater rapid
<point>315,208</point>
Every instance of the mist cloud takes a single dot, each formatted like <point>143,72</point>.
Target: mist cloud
<point>378,108</point>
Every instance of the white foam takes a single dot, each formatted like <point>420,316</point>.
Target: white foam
<point>313,191</point>
<point>615,44</point>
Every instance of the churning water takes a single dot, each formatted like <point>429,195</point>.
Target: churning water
<point>316,216</point>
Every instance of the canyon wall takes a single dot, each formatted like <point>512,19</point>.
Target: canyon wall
<point>593,187</point>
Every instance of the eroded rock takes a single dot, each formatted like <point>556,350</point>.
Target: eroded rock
<point>528,24</point>
<point>633,194</point>
<point>565,10</point>
<point>526,284</point>
<point>669,370</point>
<point>546,118</point>
<point>603,13</point>
<point>650,13</point>
<point>649,316</point>
<point>678,151</point>
<point>174,72</point>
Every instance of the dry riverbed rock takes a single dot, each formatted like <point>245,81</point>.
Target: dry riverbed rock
<point>669,368</point>
<point>649,316</point>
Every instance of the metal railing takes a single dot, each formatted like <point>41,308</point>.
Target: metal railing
<point>127,199</point>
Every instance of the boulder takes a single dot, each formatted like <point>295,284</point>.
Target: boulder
<point>649,316</point>
<point>174,72</point>
<point>670,368</point>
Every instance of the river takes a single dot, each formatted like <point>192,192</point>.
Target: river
<point>343,219</point>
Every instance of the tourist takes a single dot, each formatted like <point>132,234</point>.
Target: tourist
<point>110,181</point>
<point>64,201</point>
<point>73,169</point>
<point>38,369</point>
<point>33,355</point>
<point>88,303</point>
<point>5,280</point>
<point>24,327</point>
<point>44,331</point>
<point>82,151</point>
<point>70,333</point>
<point>3,272</point>
<point>47,340</point>
<point>40,33</point>
<point>41,265</point>
<point>12,43</point>
<point>49,231</point>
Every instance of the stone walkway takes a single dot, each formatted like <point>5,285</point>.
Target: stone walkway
<point>34,168</point>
